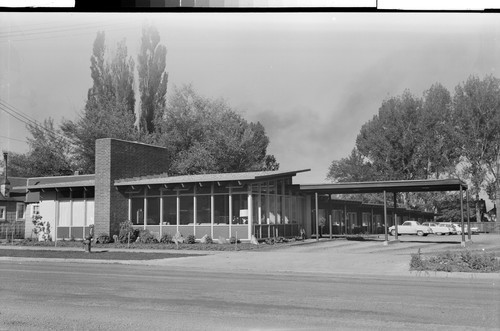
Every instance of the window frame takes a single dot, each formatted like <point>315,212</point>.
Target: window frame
<point>3,213</point>
<point>17,211</point>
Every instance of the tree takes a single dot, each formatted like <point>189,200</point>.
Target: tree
<point>437,146</point>
<point>122,75</point>
<point>353,168</point>
<point>48,154</point>
<point>477,122</point>
<point>152,78</point>
<point>410,138</point>
<point>109,109</point>
<point>391,140</point>
<point>206,136</point>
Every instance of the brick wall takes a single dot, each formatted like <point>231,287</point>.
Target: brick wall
<point>116,159</point>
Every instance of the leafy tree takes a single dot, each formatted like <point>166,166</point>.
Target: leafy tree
<point>152,78</point>
<point>122,74</point>
<point>391,140</point>
<point>206,136</point>
<point>48,154</point>
<point>437,146</point>
<point>353,168</point>
<point>477,122</point>
<point>109,109</point>
<point>270,163</point>
<point>410,138</point>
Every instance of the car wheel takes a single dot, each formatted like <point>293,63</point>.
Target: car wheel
<point>393,232</point>
<point>420,233</point>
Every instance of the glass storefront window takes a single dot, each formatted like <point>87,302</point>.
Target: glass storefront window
<point>255,208</point>
<point>240,209</point>
<point>170,210</point>
<point>220,188</point>
<point>221,209</point>
<point>137,211</point>
<point>264,209</point>
<point>153,211</point>
<point>271,218</point>
<point>271,188</point>
<point>286,210</point>
<point>64,213</point>
<point>78,213</point>
<point>138,193</point>
<point>205,189</point>
<point>203,214</point>
<point>153,191</point>
<point>186,210</point>
<point>90,212</point>
<point>279,212</point>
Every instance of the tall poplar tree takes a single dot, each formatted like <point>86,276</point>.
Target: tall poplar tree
<point>109,109</point>
<point>152,78</point>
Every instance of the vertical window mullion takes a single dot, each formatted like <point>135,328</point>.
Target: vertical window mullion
<point>161,214</point>
<point>212,211</point>
<point>145,208</point>
<point>195,210</point>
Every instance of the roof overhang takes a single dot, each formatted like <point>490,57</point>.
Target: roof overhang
<point>242,177</point>
<point>428,185</point>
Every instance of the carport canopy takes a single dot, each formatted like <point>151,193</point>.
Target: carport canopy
<point>396,186</point>
<point>427,185</point>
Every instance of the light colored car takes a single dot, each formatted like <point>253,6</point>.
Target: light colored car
<point>438,230</point>
<point>473,229</point>
<point>410,227</point>
<point>458,228</point>
<point>453,229</point>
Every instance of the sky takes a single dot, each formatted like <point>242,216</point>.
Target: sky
<point>312,79</point>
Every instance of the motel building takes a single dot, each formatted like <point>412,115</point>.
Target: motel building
<point>130,183</point>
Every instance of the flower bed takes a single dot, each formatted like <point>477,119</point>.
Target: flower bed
<point>460,261</point>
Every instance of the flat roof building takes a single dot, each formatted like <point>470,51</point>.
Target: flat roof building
<point>131,183</point>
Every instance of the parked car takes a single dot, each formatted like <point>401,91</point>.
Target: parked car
<point>438,230</point>
<point>410,227</point>
<point>474,229</point>
<point>453,229</point>
<point>458,228</point>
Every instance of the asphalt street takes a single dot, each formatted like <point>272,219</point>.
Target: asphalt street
<point>322,285</point>
<point>72,296</point>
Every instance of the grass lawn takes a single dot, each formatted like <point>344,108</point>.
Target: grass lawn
<point>95,255</point>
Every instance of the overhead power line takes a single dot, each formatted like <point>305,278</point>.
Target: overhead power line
<point>17,114</point>
<point>60,32</point>
<point>23,141</point>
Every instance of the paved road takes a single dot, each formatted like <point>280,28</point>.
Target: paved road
<point>327,285</point>
<point>65,296</point>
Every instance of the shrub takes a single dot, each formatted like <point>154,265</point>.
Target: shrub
<point>146,237</point>
<point>416,262</point>
<point>126,229</point>
<point>103,238</point>
<point>209,240</point>
<point>166,239</point>
<point>233,240</point>
<point>463,261</point>
<point>191,239</point>
<point>357,230</point>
